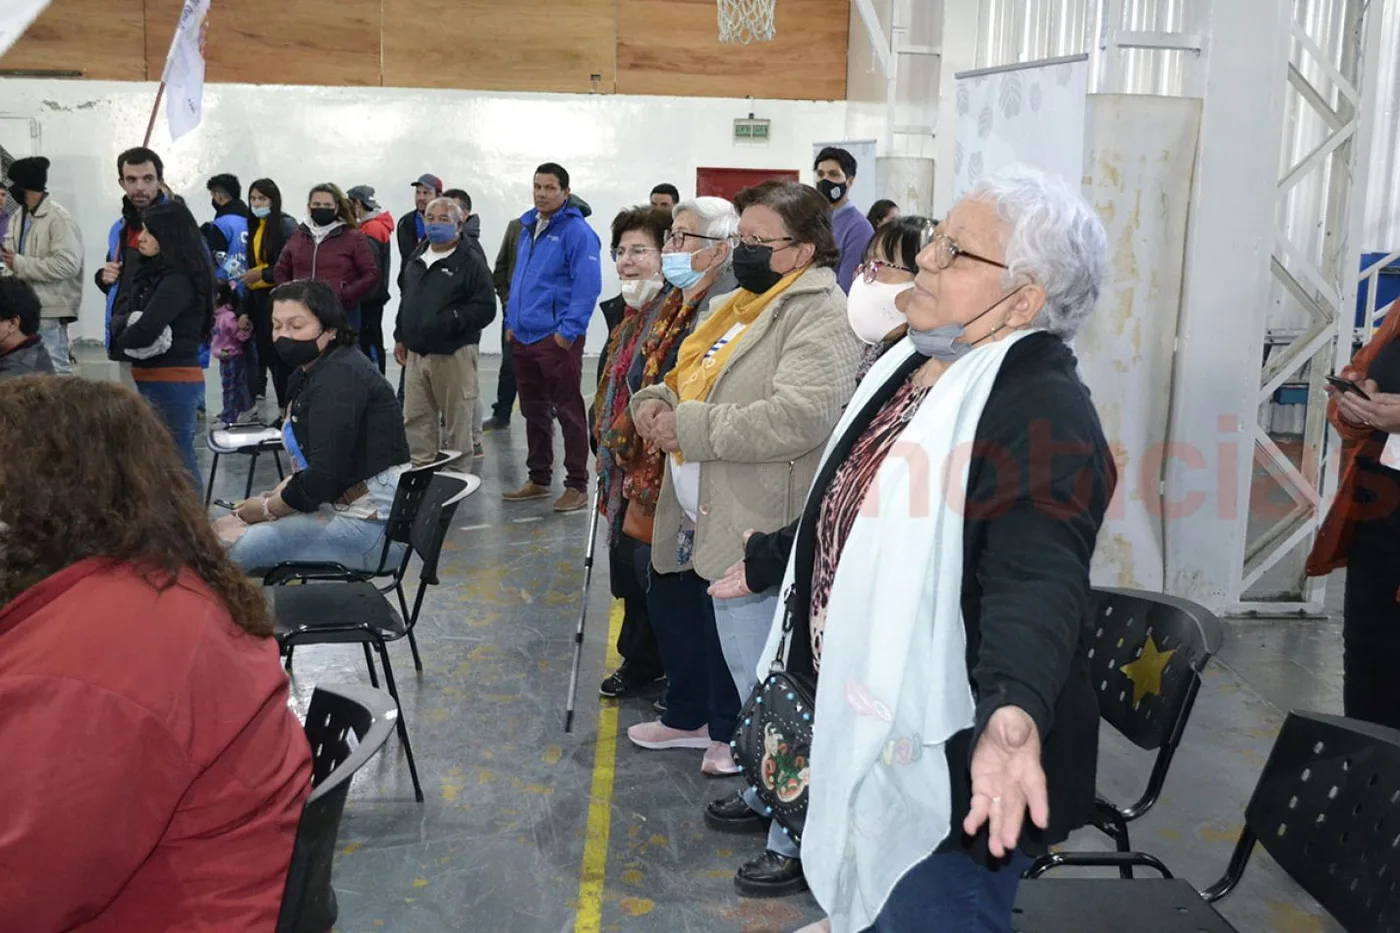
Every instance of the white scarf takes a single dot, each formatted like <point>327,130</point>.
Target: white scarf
<point>319,233</point>
<point>894,685</point>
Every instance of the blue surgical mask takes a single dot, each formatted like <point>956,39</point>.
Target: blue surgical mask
<point>440,233</point>
<point>941,343</point>
<point>676,268</point>
<point>261,211</point>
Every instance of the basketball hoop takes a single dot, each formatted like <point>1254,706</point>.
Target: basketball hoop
<point>746,21</point>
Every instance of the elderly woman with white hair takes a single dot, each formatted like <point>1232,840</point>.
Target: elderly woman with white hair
<point>937,584</point>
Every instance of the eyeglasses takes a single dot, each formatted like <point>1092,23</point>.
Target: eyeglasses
<point>754,239</point>
<point>946,249</point>
<point>633,252</point>
<point>871,270</point>
<point>677,238</point>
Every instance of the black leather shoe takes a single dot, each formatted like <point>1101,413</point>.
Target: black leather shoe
<point>731,815</point>
<point>624,683</point>
<point>770,875</point>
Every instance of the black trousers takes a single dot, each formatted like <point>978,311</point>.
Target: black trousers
<point>372,333</point>
<point>636,641</point>
<point>269,363</point>
<point>699,688</point>
<point>505,384</point>
<point>1371,626</point>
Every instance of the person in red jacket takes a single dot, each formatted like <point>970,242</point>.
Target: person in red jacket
<point>377,224</point>
<point>153,777</point>
<point>329,247</point>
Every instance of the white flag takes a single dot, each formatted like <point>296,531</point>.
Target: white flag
<point>17,19</point>
<point>184,69</point>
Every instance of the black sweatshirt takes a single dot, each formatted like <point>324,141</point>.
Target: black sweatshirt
<point>347,424</point>
<point>1039,482</point>
<point>166,298</point>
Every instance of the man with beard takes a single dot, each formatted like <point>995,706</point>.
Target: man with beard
<point>140,172</point>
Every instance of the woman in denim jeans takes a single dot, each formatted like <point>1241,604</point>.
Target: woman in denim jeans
<point>345,437</point>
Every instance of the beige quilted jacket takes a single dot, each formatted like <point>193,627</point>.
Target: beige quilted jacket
<point>759,437</point>
<point>52,261</point>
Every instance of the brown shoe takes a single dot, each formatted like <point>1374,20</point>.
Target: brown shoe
<point>525,493</point>
<point>571,501</point>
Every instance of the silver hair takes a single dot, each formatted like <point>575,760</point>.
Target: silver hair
<point>717,217</point>
<point>455,208</point>
<point>1056,240</point>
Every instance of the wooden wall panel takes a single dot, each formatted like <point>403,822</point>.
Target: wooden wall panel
<point>101,38</point>
<point>333,42</point>
<point>500,45</point>
<point>673,47</point>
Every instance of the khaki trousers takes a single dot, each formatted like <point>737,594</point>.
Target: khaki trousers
<point>439,403</point>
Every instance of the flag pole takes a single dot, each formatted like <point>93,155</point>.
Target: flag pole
<point>155,109</point>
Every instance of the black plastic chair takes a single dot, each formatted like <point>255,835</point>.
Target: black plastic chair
<point>248,440</point>
<point>356,612</point>
<point>1326,808</point>
<point>346,726</point>
<point>1120,624</point>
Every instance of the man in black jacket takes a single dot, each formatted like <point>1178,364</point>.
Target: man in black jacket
<point>446,299</point>
<point>410,230</point>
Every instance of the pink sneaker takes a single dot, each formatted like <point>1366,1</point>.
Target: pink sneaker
<point>718,761</point>
<point>654,735</point>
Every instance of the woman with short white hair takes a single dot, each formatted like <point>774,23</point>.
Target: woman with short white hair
<point>938,581</point>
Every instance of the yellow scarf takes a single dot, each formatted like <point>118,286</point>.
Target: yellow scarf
<point>700,361</point>
<point>255,257</point>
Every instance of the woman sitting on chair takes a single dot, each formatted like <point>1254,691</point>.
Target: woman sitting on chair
<point>154,777</point>
<point>345,437</point>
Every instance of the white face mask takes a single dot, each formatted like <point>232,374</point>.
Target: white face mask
<point>870,308</point>
<point>638,293</point>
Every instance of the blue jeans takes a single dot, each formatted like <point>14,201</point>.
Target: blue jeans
<point>176,402</point>
<point>778,841</point>
<point>951,893</point>
<point>743,626</point>
<point>54,334</point>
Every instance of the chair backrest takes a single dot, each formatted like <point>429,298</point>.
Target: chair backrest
<point>1327,809</point>
<point>1146,655</point>
<point>413,483</point>
<point>434,518</point>
<point>346,726</point>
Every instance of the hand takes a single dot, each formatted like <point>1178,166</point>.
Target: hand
<point>644,420</point>
<point>664,431</point>
<point>251,277</point>
<point>7,256</point>
<point>1006,780</point>
<point>561,343</point>
<point>111,272</point>
<point>510,336</point>
<point>250,510</point>
<point>735,582</point>
<point>1381,412</point>
<point>400,354</point>
<point>245,323</point>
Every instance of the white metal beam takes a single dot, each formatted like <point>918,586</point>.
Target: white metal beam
<point>1173,41</point>
<point>879,42</point>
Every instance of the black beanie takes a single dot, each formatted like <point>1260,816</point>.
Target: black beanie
<point>31,174</point>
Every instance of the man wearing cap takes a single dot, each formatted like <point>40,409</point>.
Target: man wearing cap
<point>44,248</point>
<point>378,227</point>
<point>411,232</point>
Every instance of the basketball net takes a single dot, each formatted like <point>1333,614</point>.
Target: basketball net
<point>746,21</point>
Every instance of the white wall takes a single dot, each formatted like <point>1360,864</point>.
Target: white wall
<point>615,147</point>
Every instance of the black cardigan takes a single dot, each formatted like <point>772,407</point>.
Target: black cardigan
<point>166,298</point>
<point>1039,482</point>
<point>347,424</point>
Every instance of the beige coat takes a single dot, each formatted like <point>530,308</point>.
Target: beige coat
<point>52,261</point>
<point>760,435</point>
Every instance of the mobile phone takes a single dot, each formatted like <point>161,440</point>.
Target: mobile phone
<point>225,504</point>
<point>1346,385</point>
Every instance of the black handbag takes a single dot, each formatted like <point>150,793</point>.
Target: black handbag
<point>773,741</point>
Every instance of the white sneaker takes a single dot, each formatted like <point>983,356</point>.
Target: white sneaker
<point>655,736</point>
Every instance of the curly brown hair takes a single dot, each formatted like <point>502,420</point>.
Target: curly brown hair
<point>88,470</point>
<point>805,213</point>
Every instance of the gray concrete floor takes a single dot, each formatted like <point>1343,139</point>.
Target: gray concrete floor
<point>504,841</point>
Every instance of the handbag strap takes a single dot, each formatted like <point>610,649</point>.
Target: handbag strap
<point>779,664</point>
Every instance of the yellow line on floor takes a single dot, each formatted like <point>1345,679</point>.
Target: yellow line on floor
<point>594,872</point>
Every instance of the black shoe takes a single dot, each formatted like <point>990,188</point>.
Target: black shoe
<point>732,815</point>
<point>623,683</point>
<point>770,875</point>
<point>495,424</point>
<point>660,706</point>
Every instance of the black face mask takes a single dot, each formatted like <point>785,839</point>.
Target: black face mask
<point>752,269</point>
<point>834,191</point>
<point>215,205</point>
<point>297,352</point>
<point>323,216</point>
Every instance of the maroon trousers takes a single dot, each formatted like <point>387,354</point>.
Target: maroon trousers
<point>549,379</point>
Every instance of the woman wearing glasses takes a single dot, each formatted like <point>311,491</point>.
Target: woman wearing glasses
<point>940,574</point>
<point>743,415</point>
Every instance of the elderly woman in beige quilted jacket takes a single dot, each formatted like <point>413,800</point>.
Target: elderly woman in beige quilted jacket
<point>757,389</point>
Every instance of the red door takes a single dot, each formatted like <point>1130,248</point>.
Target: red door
<point>727,182</point>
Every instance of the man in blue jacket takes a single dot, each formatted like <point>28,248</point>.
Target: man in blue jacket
<point>552,294</point>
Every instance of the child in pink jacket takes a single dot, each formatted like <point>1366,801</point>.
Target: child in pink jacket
<point>231,332</point>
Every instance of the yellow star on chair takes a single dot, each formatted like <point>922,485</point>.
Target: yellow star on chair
<point>1146,671</point>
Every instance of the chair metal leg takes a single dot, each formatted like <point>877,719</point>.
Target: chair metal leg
<point>209,488</point>
<point>1110,820</point>
<point>413,646</point>
<point>402,724</point>
<point>369,662</point>
<point>252,468</point>
<point>287,665</point>
<point>277,459</point>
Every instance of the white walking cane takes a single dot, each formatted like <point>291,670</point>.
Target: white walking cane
<point>582,609</point>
